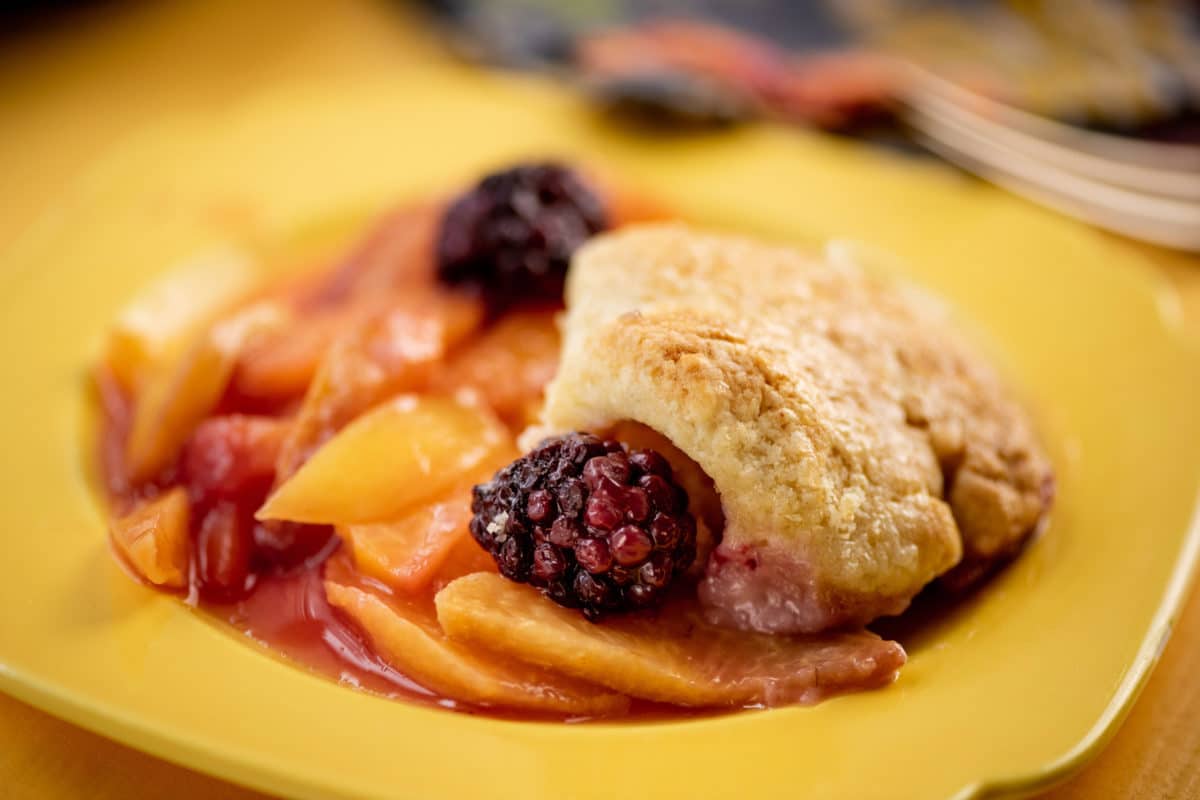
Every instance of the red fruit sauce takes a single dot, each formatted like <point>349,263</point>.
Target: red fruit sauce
<point>284,609</point>
<point>288,612</point>
<point>266,580</point>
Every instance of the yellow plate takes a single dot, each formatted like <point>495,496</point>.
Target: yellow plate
<point>1009,692</point>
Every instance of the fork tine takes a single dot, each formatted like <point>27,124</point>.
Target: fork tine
<point>1163,169</point>
<point>1171,222</point>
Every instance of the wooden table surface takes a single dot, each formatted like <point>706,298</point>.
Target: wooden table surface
<point>72,74</point>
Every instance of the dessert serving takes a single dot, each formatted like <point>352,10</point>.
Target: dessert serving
<point>542,449</point>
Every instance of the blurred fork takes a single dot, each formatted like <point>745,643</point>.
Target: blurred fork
<point>1145,190</point>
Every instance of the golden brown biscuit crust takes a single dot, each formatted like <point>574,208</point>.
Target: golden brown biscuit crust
<point>830,410</point>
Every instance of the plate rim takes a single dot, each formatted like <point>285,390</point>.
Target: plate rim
<point>63,703</point>
<point>158,741</point>
<point>1177,592</point>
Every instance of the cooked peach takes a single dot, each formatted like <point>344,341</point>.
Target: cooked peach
<point>154,538</point>
<point>404,554</point>
<point>671,656</point>
<point>183,393</point>
<point>393,347</point>
<point>466,557</point>
<point>404,452</point>
<point>407,553</point>
<point>409,638</point>
<point>509,365</point>
<point>160,320</point>
<point>396,255</point>
<point>116,410</point>
<point>282,365</point>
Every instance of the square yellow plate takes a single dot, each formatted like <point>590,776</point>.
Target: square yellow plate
<point>1007,693</point>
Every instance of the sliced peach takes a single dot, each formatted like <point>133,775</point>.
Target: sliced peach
<point>404,554</point>
<point>400,454</point>
<point>154,539</point>
<point>509,365</point>
<point>398,254</point>
<point>673,656</point>
<point>281,366</point>
<point>392,345</point>
<point>172,403</point>
<point>466,557</point>
<point>407,553</point>
<point>116,409</point>
<point>160,320</point>
<point>178,397</point>
<point>409,638</point>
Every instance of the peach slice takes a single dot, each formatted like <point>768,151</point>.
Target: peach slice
<point>281,366</point>
<point>405,554</point>
<point>160,320</point>
<point>466,557</point>
<point>509,365</point>
<point>404,452</point>
<point>176,398</point>
<point>397,254</point>
<point>673,656</point>
<point>392,346</point>
<point>408,552</point>
<point>154,539</point>
<point>408,637</point>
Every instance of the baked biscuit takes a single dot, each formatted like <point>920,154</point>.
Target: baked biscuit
<point>859,448</point>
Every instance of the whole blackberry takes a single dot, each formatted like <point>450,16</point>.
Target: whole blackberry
<point>594,526</point>
<point>513,234</point>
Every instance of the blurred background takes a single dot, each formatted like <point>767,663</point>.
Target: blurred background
<point>1091,107</point>
<point>1130,67</point>
<point>1124,66</point>
<point>1087,106</point>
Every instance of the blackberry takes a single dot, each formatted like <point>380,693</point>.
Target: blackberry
<point>592,525</point>
<point>512,235</point>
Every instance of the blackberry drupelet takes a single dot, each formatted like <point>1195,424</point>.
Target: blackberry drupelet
<point>513,234</point>
<point>592,525</point>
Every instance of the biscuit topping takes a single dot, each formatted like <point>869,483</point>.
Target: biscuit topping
<point>858,444</point>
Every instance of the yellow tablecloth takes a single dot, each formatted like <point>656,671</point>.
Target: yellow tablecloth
<point>70,91</point>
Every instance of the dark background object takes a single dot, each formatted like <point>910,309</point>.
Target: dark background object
<point>1122,65</point>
